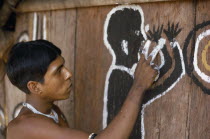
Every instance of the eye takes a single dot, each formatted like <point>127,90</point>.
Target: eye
<point>59,71</point>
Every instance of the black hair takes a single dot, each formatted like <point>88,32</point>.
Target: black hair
<point>29,61</point>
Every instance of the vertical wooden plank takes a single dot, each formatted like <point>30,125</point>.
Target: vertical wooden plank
<point>161,113</point>
<point>92,63</point>
<point>166,117</point>
<point>200,99</point>
<point>13,95</point>
<point>61,26</point>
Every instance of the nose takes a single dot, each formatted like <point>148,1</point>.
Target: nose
<point>68,74</point>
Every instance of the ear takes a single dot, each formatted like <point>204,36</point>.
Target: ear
<point>34,87</point>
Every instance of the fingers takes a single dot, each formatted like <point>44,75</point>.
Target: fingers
<point>142,57</point>
<point>149,60</point>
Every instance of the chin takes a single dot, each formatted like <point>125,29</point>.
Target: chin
<point>67,95</point>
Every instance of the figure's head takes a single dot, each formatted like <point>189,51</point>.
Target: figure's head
<point>37,67</point>
<point>124,33</point>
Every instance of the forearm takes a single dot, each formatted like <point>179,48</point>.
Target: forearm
<point>122,125</point>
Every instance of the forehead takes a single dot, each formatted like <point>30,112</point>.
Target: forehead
<point>56,63</point>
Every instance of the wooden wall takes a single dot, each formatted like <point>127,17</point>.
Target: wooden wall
<point>180,108</point>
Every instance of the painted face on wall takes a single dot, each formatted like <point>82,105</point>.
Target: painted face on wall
<point>125,35</point>
<point>57,81</point>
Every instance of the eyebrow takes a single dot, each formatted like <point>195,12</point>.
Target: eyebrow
<point>59,67</point>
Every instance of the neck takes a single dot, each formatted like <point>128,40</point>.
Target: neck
<point>40,104</point>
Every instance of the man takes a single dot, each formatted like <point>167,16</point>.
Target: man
<point>37,68</point>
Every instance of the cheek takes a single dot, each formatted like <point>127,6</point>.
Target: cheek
<point>54,86</point>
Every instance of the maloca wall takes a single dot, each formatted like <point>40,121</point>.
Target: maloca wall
<point>101,45</point>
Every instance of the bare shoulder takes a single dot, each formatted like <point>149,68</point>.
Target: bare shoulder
<point>36,126</point>
<point>28,125</point>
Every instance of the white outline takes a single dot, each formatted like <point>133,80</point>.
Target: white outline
<point>174,44</point>
<point>17,111</point>
<point>35,26</point>
<point>131,71</point>
<point>24,37</point>
<point>2,117</point>
<point>157,49</point>
<point>44,27</point>
<point>203,76</point>
<point>113,66</point>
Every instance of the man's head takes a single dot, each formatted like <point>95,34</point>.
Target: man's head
<point>31,68</point>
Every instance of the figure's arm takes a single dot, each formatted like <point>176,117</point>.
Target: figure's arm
<point>122,125</point>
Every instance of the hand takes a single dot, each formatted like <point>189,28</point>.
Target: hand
<point>156,34</point>
<point>172,31</point>
<point>145,73</point>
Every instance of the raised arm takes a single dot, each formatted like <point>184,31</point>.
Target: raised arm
<point>119,128</point>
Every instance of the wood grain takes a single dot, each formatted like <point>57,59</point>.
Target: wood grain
<point>61,26</point>
<point>181,113</point>
<point>199,102</point>
<point>92,63</point>
<point>39,5</point>
<point>13,95</point>
<point>167,116</point>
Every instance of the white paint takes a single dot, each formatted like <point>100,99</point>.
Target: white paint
<point>107,44</point>
<point>137,32</point>
<point>147,28</point>
<point>17,111</point>
<point>175,44</point>
<point>2,118</point>
<point>162,59</point>
<point>24,37</point>
<point>203,76</point>
<point>161,44</point>
<point>153,54</point>
<point>34,26</point>
<point>44,27</point>
<point>131,71</point>
<point>145,50</point>
<point>124,46</point>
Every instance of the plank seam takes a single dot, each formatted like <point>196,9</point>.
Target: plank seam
<point>75,54</point>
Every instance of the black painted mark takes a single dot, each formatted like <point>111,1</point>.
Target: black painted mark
<point>189,65</point>
<point>172,31</point>
<point>124,36</point>
<point>156,34</point>
<point>124,26</point>
<point>171,34</point>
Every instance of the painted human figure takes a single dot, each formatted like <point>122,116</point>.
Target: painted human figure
<point>124,36</point>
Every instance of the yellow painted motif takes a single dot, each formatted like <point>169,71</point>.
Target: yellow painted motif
<point>204,58</point>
